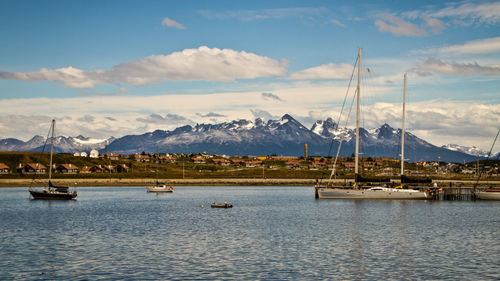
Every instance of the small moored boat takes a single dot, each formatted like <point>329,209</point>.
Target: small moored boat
<point>221,205</point>
<point>160,187</point>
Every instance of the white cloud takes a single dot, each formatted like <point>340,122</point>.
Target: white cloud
<point>211,115</point>
<point>167,119</point>
<point>87,118</point>
<point>478,12</point>
<point>271,96</point>
<point>69,76</point>
<point>264,115</point>
<point>336,22</point>
<point>454,68</point>
<point>171,23</point>
<point>398,27</point>
<point>435,25</point>
<point>481,46</point>
<point>189,65</point>
<point>304,14</point>
<point>325,71</point>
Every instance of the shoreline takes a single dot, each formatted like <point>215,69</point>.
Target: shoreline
<point>209,182</point>
<point>175,182</point>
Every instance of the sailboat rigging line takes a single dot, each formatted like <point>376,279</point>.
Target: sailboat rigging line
<point>340,116</point>
<point>487,158</point>
<point>342,139</point>
<point>40,156</point>
<point>343,104</point>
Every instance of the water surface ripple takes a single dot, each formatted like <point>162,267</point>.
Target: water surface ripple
<point>272,233</point>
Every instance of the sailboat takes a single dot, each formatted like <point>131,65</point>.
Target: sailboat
<point>358,191</point>
<point>52,191</point>
<point>159,186</point>
<point>490,193</point>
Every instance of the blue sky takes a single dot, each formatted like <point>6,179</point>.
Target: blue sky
<point>110,68</point>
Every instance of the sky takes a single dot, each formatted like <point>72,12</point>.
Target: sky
<point>113,68</point>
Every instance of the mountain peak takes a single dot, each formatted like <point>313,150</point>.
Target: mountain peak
<point>326,128</point>
<point>287,117</point>
<point>385,131</point>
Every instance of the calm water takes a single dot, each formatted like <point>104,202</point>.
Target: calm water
<point>272,233</point>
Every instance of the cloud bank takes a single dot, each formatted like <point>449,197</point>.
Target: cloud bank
<point>460,69</point>
<point>398,26</point>
<point>207,64</point>
<point>481,46</point>
<point>325,71</point>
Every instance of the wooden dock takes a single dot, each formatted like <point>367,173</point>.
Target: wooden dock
<point>458,190</point>
<point>452,193</point>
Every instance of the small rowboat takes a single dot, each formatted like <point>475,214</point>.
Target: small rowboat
<point>221,205</point>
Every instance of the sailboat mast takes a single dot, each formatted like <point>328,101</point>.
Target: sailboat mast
<point>403,130</point>
<point>52,147</point>
<point>356,171</point>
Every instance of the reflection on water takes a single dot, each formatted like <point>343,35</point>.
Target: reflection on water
<point>271,233</point>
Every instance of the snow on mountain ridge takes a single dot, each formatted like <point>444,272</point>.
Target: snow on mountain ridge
<point>472,150</point>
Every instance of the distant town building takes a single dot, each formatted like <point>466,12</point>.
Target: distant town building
<point>111,156</point>
<point>32,168</point>
<point>109,168</point>
<point>122,168</point>
<point>167,159</point>
<point>253,164</point>
<point>4,169</point>
<point>198,160</point>
<point>293,164</point>
<point>66,169</point>
<point>141,158</point>
<point>85,170</point>
<point>96,169</point>
<point>221,161</point>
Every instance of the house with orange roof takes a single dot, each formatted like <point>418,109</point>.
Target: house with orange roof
<point>4,169</point>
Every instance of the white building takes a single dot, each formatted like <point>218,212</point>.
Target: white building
<point>94,153</point>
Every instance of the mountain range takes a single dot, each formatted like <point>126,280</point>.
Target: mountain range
<point>285,136</point>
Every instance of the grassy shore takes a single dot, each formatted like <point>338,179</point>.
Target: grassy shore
<point>229,181</point>
<point>147,182</point>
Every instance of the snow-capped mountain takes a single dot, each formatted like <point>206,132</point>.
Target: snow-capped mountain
<point>285,136</point>
<point>61,143</point>
<point>466,149</point>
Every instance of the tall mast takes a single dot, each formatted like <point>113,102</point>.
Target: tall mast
<point>403,130</point>
<point>357,115</point>
<point>51,147</point>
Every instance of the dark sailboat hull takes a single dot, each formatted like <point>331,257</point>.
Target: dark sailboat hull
<point>52,195</point>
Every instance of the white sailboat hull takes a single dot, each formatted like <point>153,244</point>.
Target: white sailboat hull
<point>161,188</point>
<point>372,193</point>
<point>488,195</point>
